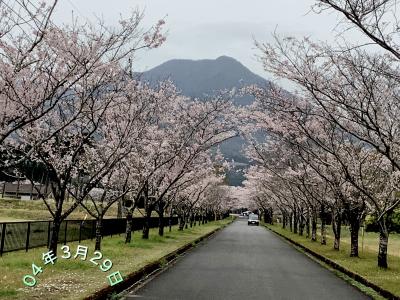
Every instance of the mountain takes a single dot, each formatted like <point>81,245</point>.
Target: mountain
<point>202,78</point>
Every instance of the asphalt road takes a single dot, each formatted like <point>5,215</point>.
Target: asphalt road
<point>246,262</point>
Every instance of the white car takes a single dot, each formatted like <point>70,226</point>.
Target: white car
<point>253,220</point>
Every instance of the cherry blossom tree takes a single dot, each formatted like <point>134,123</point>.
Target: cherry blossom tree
<point>193,193</point>
<point>351,91</point>
<point>44,65</point>
<point>102,165</point>
<point>316,153</point>
<point>87,84</point>
<point>375,19</point>
<point>184,132</point>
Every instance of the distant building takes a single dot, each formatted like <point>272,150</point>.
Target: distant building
<point>23,190</point>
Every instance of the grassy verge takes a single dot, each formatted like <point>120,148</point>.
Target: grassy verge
<point>26,210</point>
<point>365,265</point>
<point>75,279</point>
<point>29,210</point>
<point>369,242</point>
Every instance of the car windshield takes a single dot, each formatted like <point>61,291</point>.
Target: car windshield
<point>253,217</point>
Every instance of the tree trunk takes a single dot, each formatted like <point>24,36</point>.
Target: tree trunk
<point>161,222</point>
<point>383,244</point>
<point>295,220</point>
<point>336,226</point>
<point>302,224</point>
<point>323,227</point>
<point>119,212</point>
<point>57,220</point>
<point>354,215</point>
<point>128,231</point>
<point>354,229</point>
<point>283,221</point>
<point>271,216</point>
<point>146,224</point>
<point>314,225</point>
<point>55,231</point>
<point>286,220</point>
<point>181,220</point>
<point>290,222</point>
<point>170,220</point>
<point>308,223</point>
<point>99,226</point>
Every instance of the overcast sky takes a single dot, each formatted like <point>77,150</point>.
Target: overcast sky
<point>211,28</point>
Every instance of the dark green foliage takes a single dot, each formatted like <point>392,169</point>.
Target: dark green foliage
<point>371,224</point>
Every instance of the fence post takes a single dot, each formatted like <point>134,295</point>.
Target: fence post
<point>28,232</point>
<point>65,232</point>
<point>3,237</point>
<point>48,234</point>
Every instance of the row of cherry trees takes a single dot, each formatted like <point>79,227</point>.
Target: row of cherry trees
<point>74,118</point>
<point>332,147</point>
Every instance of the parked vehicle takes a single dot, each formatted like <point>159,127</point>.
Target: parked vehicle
<point>253,220</point>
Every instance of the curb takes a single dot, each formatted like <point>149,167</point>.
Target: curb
<point>384,293</point>
<point>140,274</point>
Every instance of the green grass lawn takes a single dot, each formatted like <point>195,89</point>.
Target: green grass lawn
<point>75,279</point>
<point>371,241</point>
<point>366,264</point>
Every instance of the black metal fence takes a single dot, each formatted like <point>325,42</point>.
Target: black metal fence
<point>26,235</point>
